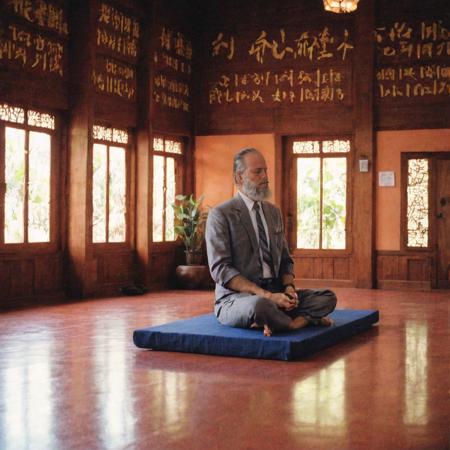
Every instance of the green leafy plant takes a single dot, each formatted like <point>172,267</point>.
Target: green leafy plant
<point>190,225</point>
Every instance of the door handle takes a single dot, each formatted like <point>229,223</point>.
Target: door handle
<point>440,216</point>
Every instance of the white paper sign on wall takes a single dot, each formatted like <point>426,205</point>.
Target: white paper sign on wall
<point>386,179</point>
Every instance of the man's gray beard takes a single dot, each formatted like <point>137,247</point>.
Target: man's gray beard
<point>252,190</point>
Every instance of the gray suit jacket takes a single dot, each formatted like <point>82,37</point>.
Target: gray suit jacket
<point>232,244</point>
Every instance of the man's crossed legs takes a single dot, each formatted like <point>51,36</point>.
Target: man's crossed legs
<point>245,310</point>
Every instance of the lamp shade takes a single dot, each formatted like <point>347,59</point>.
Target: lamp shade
<point>340,6</point>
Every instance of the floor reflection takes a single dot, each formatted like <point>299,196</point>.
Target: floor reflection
<point>319,400</point>
<point>168,403</point>
<point>28,417</point>
<point>416,370</point>
<point>117,416</point>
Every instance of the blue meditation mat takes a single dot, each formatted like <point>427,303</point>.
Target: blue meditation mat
<point>204,334</point>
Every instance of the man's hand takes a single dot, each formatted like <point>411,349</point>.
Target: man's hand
<point>290,290</point>
<point>284,301</point>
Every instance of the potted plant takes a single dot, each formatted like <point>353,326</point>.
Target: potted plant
<point>190,228</point>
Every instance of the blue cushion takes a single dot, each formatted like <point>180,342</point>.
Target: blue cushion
<point>204,334</point>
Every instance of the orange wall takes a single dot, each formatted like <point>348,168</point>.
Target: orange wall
<point>214,163</point>
<point>390,144</point>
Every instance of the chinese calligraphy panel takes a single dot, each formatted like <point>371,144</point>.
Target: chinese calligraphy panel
<point>117,37</point>
<point>34,37</point>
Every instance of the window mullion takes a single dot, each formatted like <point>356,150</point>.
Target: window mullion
<point>2,182</point>
<point>26,187</point>
<point>107,194</point>
<point>321,202</point>
<point>164,199</point>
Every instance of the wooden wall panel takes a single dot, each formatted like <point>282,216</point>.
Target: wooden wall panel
<point>107,110</point>
<point>171,58</point>
<point>387,268</point>
<point>400,270</point>
<point>115,267</point>
<point>304,268</point>
<point>16,278</point>
<point>114,72</point>
<point>412,90</point>
<point>34,54</point>
<point>327,268</point>
<point>110,271</point>
<point>161,270</point>
<point>317,270</point>
<point>269,67</point>
<point>342,268</point>
<point>418,269</point>
<point>27,277</point>
<point>48,276</point>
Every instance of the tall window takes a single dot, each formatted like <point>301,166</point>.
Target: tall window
<point>26,158</point>
<point>321,193</point>
<point>167,162</point>
<point>109,185</point>
<point>417,202</point>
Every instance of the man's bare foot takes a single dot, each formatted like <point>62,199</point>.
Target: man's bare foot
<point>326,322</point>
<point>266,329</point>
<point>297,323</point>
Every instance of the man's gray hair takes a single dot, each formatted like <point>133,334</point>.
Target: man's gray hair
<point>238,161</point>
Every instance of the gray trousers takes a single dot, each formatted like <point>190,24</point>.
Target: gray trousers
<point>243,309</point>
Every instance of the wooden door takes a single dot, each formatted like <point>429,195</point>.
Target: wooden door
<point>443,222</point>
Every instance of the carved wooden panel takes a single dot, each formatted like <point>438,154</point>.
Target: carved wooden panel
<point>117,43</point>
<point>285,72</point>
<point>34,52</point>
<point>412,56</point>
<point>172,67</point>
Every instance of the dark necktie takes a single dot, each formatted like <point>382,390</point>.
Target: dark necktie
<point>263,244</point>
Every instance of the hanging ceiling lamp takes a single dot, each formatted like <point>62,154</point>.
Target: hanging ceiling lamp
<point>340,6</point>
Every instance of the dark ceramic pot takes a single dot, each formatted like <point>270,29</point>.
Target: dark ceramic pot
<point>194,276</point>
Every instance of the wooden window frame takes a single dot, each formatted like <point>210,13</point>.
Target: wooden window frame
<point>55,176</point>
<point>180,170</point>
<point>101,247</point>
<point>289,193</point>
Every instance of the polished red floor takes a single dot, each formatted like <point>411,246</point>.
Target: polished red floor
<point>71,378</point>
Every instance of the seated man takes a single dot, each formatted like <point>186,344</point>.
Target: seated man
<point>250,262</point>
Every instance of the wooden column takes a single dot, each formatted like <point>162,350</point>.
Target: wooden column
<point>81,270</point>
<point>363,182</point>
